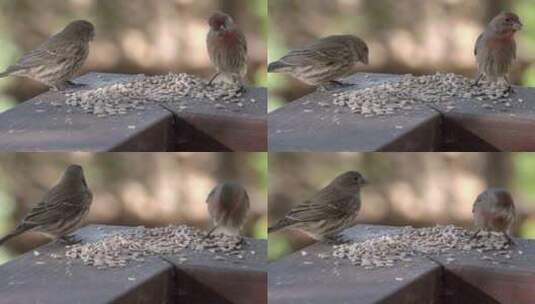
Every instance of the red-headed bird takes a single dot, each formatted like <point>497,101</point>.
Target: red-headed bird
<point>228,204</point>
<point>495,48</point>
<point>227,48</point>
<point>494,210</point>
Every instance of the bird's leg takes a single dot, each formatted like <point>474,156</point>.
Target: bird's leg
<point>69,240</point>
<point>510,240</point>
<point>213,78</point>
<point>478,80</point>
<point>75,85</point>
<point>337,239</point>
<point>66,85</point>
<point>341,83</point>
<point>509,86</point>
<point>242,89</point>
<point>475,234</point>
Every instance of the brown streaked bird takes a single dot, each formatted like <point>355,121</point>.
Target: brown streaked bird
<point>61,210</point>
<point>329,212</point>
<point>494,210</point>
<point>56,61</point>
<point>228,204</point>
<point>495,48</point>
<point>227,48</point>
<point>323,61</point>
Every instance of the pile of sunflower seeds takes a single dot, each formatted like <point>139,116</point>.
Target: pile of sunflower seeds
<point>118,249</point>
<point>392,97</point>
<point>134,95</point>
<point>386,250</point>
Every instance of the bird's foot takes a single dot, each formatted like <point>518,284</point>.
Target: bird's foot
<point>510,240</point>
<point>68,85</point>
<point>69,240</point>
<point>475,235</point>
<point>334,85</point>
<point>337,239</point>
<point>242,89</point>
<point>476,84</point>
<point>509,90</point>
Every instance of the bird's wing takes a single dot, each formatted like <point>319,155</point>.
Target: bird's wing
<point>478,44</point>
<point>322,51</point>
<point>55,206</point>
<point>54,49</point>
<point>310,211</point>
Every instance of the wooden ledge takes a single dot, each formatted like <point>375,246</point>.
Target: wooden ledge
<point>39,278</point>
<point>306,125</point>
<point>45,123</point>
<point>301,277</point>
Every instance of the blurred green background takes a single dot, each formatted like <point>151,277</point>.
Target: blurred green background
<point>418,189</point>
<point>151,189</point>
<point>409,36</point>
<point>133,36</point>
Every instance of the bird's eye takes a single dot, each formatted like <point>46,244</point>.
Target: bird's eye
<point>509,20</point>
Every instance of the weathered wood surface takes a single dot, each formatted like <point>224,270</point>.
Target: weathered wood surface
<point>45,123</point>
<point>500,128</point>
<point>46,280</point>
<point>233,279</point>
<point>310,279</point>
<point>304,125</point>
<point>499,280</point>
<point>39,125</point>
<point>301,278</point>
<point>231,128</point>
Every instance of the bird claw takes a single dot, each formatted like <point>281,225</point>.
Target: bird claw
<point>334,85</point>
<point>510,240</point>
<point>68,85</point>
<point>69,240</point>
<point>338,239</point>
<point>510,90</point>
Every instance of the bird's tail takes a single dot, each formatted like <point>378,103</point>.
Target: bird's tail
<point>19,230</point>
<point>9,236</point>
<point>277,66</point>
<point>4,74</point>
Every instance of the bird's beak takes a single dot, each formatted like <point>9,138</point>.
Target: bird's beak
<point>365,181</point>
<point>518,26</point>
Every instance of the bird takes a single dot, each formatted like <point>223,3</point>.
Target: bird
<point>56,61</point>
<point>495,48</point>
<point>61,210</point>
<point>228,205</point>
<point>494,210</point>
<point>330,211</point>
<point>227,48</point>
<point>323,61</point>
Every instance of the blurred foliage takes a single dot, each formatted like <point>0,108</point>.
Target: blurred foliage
<point>160,189</point>
<point>410,36</point>
<point>418,189</point>
<point>165,35</point>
